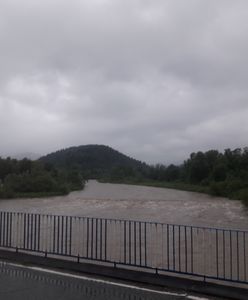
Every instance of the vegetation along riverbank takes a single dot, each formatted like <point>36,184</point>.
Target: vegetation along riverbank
<point>212,172</point>
<point>26,178</point>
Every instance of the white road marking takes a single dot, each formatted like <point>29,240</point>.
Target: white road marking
<point>196,298</point>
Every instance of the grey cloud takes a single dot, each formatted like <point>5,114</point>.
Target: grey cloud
<point>155,79</point>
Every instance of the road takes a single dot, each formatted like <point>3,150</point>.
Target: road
<point>32,283</point>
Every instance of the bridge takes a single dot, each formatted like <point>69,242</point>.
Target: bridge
<point>200,254</point>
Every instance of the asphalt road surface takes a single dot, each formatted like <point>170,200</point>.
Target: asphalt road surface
<point>31,283</point>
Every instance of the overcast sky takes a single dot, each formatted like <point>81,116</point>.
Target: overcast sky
<point>155,79</point>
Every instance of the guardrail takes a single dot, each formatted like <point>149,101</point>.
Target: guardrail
<point>199,251</point>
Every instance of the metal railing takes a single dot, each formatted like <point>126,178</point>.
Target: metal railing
<point>200,251</point>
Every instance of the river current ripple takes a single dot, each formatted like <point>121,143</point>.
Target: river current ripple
<point>138,203</point>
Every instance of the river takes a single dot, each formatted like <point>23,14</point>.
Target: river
<point>139,203</point>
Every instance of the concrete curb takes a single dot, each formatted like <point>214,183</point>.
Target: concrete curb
<point>185,284</point>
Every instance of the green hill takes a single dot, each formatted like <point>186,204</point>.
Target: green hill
<point>95,161</point>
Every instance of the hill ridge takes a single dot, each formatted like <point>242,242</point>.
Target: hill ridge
<point>93,160</point>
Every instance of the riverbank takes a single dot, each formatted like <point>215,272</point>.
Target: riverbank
<point>181,186</point>
<point>62,192</point>
<point>161,184</point>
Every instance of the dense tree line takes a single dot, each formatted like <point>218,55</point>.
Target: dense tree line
<point>224,174</point>
<point>35,178</point>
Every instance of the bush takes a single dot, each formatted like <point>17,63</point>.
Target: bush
<point>242,195</point>
<point>219,189</point>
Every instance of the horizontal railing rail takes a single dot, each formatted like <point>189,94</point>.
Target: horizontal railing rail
<point>215,253</point>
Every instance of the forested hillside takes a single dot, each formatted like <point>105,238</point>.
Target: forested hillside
<point>96,161</point>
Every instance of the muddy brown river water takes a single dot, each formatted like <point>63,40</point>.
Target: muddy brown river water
<point>139,203</point>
